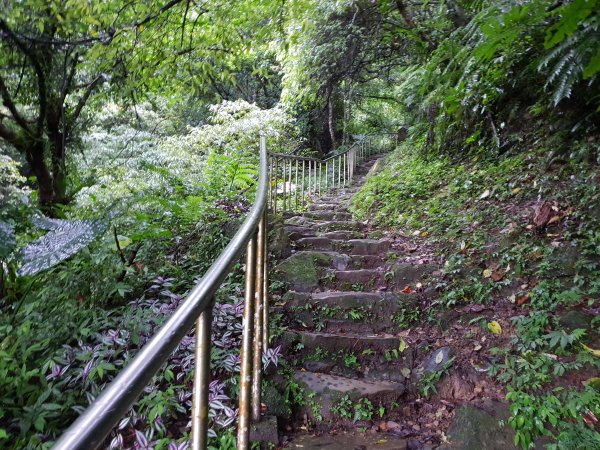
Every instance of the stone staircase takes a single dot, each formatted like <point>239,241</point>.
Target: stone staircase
<point>344,301</point>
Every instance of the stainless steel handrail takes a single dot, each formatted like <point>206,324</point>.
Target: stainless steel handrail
<point>95,423</point>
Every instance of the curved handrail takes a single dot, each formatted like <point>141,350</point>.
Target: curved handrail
<point>96,422</point>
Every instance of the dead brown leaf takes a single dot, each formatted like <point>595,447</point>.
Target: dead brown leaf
<point>522,299</point>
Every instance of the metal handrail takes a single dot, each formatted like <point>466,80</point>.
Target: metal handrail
<point>292,178</point>
<point>95,423</point>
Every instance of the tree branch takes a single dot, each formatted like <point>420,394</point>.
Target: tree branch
<point>8,102</point>
<point>82,101</point>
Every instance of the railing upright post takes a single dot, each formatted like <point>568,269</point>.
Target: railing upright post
<point>283,165</point>
<point>258,319</point>
<point>296,188</point>
<point>200,403</point>
<point>320,176</point>
<point>265,289</point>
<point>303,178</point>
<point>275,187</point>
<point>243,435</point>
<point>326,175</point>
<point>339,171</point>
<point>290,186</point>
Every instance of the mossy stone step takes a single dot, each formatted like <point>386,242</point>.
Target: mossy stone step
<point>367,277</point>
<point>342,235</point>
<point>338,225</point>
<point>321,206</point>
<point>368,246</point>
<point>349,441</point>
<point>315,243</point>
<point>324,391</point>
<point>336,341</point>
<point>328,215</point>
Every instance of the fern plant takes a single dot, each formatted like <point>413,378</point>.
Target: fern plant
<point>574,43</point>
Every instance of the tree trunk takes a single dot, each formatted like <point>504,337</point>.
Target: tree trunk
<point>331,121</point>
<point>57,152</point>
<point>35,158</point>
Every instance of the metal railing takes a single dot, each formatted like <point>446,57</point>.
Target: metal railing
<point>294,180</point>
<point>93,426</point>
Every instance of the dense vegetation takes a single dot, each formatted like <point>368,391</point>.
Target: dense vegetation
<point>128,146</point>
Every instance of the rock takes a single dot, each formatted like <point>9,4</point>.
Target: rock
<point>475,429</point>
<point>410,273</point>
<point>265,432</point>
<point>435,362</point>
<point>276,404</point>
<point>303,270</point>
<point>574,319</point>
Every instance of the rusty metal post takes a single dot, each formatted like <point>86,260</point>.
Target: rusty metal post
<point>303,178</point>
<point>265,289</point>
<point>296,187</point>
<point>276,178</point>
<point>320,176</point>
<point>243,435</point>
<point>283,164</point>
<point>258,319</point>
<point>201,381</point>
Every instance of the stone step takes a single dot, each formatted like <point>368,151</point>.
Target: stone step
<point>340,225</point>
<point>348,441</point>
<point>369,278</point>
<point>296,232</point>
<point>328,215</point>
<point>342,235</point>
<point>324,206</point>
<point>323,392</point>
<point>333,342</point>
<point>368,246</point>
<point>315,243</point>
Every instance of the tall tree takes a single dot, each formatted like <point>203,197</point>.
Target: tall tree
<point>57,56</point>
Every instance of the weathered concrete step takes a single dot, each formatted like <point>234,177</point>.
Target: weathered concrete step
<point>327,206</point>
<point>330,389</point>
<point>338,225</point>
<point>367,246</point>
<point>296,232</point>
<point>348,441</point>
<point>364,247</point>
<point>341,298</point>
<point>342,235</point>
<point>336,341</point>
<point>316,243</point>
<point>368,277</point>
<point>328,215</point>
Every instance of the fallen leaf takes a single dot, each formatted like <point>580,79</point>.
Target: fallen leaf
<point>405,371</point>
<point>494,327</point>
<point>487,273</point>
<point>516,190</point>
<point>439,357</point>
<point>424,233</point>
<point>485,194</point>
<point>403,345</point>
<point>497,276</point>
<point>593,382</point>
<point>553,220</point>
<point>542,214</point>
<point>478,347</point>
<point>522,299</point>
<point>512,298</point>
<point>417,232</point>
<point>407,290</point>
<point>591,350</point>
